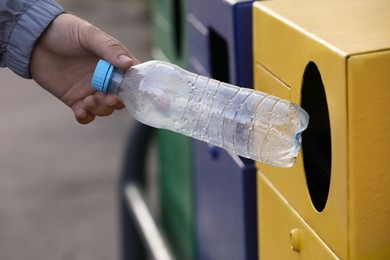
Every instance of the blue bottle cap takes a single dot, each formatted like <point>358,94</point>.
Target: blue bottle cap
<point>102,75</point>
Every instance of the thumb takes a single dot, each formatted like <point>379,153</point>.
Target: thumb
<point>108,48</point>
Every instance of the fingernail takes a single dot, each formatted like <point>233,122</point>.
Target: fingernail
<point>124,59</point>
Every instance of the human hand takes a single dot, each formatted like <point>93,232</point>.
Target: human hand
<point>63,61</point>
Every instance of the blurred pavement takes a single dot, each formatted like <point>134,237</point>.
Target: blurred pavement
<point>59,179</point>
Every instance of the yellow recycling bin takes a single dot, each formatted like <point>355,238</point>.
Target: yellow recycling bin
<point>333,58</point>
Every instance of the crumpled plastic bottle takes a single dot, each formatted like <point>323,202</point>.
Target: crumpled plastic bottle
<point>250,123</point>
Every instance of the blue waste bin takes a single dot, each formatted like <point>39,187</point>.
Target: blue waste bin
<point>220,46</point>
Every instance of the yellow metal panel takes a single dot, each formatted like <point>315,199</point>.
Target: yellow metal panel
<point>369,140</point>
<point>346,27</point>
<point>283,233</point>
<point>289,53</point>
<point>271,84</point>
<point>349,41</point>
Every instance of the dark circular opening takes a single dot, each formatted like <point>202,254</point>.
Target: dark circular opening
<point>316,139</point>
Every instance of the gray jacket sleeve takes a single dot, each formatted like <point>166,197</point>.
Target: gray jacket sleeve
<point>21,24</point>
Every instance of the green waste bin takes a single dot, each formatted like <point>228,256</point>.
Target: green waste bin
<point>175,151</point>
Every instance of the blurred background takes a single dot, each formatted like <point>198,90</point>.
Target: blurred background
<point>59,180</point>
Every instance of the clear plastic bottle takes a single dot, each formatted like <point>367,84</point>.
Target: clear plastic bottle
<point>249,123</point>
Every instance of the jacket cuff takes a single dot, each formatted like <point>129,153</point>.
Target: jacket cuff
<point>26,32</point>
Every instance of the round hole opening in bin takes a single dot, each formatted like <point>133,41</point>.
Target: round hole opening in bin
<point>316,139</point>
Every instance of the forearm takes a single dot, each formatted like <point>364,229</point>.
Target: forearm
<point>21,24</point>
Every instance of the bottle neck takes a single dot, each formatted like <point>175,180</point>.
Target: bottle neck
<point>115,81</point>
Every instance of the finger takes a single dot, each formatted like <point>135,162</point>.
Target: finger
<point>108,48</point>
<point>82,116</point>
<point>100,99</point>
<point>113,101</point>
<point>120,106</point>
<point>96,105</point>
